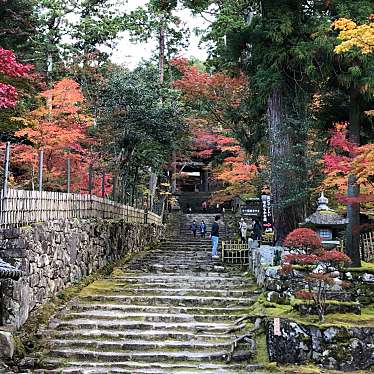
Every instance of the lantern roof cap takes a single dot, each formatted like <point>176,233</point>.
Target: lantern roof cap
<point>324,216</point>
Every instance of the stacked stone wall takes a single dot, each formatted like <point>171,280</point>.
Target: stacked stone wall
<point>55,254</point>
<point>333,347</point>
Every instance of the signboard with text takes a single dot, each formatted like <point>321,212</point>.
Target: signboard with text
<point>252,208</point>
<point>267,213</point>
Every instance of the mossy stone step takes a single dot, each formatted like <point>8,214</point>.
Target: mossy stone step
<point>152,317</point>
<point>169,310</point>
<point>120,325</point>
<point>127,345</point>
<point>170,300</point>
<point>147,335</point>
<point>150,367</point>
<point>148,356</point>
<point>113,289</point>
<point>194,311</point>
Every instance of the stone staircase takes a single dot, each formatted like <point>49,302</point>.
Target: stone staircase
<point>167,311</point>
<point>186,220</point>
<point>194,200</point>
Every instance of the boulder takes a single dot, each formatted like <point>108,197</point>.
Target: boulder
<point>7,345</point>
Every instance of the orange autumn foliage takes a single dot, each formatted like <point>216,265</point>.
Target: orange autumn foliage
<point>59,127</point>
<point>223,90</point>
<point>347,158</point>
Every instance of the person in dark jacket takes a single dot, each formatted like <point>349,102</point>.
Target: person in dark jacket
<point>193,228</point>
<point>202,229</point>
<point>257,231</point>
<point>215,236</point>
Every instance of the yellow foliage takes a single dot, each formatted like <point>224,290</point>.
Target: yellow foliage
<point>353,35</point>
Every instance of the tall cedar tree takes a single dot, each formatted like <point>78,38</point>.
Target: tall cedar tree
<point>287,47</point>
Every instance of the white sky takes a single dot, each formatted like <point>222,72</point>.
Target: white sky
<point>130,54</point>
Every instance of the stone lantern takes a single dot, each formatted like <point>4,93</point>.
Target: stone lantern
<point>326,222</point>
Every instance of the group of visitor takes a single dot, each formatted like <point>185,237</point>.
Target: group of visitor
<point>202,229</point>
<point>252,229</point>
<point>214,235</point>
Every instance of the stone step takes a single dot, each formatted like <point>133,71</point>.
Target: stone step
<point>209,275</point>
<point>120,325</point>
<point>134,291</point>
<point>207,284</point>
<point>205,260</point>
<point>170,278</point>
<point>198,249</point>
<point>152,317</point>
<point>184,268</point>
<point>170,300</point>
<point>189,241</point>
<point>132,367</point>
<point>145,335</point>
<point>148,356</point>
<point>197,262</point>
<point>169,311</point>
<point>188,285</point>
<point>127,345</point>
<point>197,311</point>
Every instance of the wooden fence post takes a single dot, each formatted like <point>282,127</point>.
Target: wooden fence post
<point>114,187</point>
<point>40,170</point>
<point>103,185</point>
<point>6,167</point>
<point>68,175</point>
<point>90,179</point>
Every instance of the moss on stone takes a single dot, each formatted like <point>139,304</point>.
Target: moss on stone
<point>366,267</point>
<point>302,267</point>
<point>27,337</point>
<point>262,356</point>
<point>117,273</point>
<point>264,308</point>
<point>302,369</point>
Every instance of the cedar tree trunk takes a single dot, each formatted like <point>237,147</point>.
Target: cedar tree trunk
<point>353,210</point>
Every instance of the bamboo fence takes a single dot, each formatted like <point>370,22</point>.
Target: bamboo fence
<point>21,207</point>
<point>367,246</point>
<point>235,252</point>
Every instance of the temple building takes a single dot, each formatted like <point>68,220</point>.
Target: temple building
<point>194,176</point>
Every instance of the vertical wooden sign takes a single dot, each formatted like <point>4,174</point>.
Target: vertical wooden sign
<point>277,329</point>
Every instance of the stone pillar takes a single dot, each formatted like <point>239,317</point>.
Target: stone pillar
<point>205,179</point>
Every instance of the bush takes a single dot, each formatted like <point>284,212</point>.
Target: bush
<point>303,240</point>
<point>321,271</point>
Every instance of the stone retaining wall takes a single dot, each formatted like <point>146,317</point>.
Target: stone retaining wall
<point>333,347</point>
<point>55,254</point>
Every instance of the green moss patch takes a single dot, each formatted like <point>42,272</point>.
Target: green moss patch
<point>264,308</point>
<point>366,267</point>
<point>305,369</point>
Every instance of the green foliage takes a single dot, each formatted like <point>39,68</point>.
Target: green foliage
<point>17,25</point>
<point>139,119</point>
<point>68,30</point>
<point>145,23</point>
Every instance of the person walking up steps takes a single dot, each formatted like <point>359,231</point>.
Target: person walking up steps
<point>215,236</point>
<point>193,228</point>
<point>202,229</point>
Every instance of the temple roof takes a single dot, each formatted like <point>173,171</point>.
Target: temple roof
<point>9,271</point>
